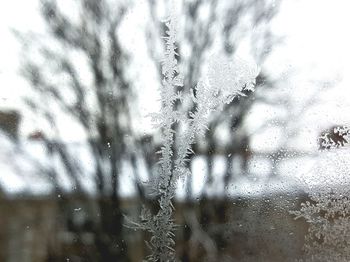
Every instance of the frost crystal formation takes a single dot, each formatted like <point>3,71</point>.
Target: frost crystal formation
<point>328,211</point>
<point>210,94</point>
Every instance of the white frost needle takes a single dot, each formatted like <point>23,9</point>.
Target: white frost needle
<point>226,80</point>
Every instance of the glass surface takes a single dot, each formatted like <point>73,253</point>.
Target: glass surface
<point>192,130</point>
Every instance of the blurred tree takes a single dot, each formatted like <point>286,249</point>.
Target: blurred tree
<point>222,26</point>
<point>98,99</point>
<point>81,71</point>
<point>207,25</point>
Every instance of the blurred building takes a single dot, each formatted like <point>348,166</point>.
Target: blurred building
<point>9,122</point>
<point>40,224</point>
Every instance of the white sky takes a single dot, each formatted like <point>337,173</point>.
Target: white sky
<point>315,50</point>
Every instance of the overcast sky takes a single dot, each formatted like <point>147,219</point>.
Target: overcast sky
<point>314,52</point>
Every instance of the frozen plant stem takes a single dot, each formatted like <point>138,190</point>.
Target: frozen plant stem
<point>209,97</point>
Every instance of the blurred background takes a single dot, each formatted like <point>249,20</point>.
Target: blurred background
<point>78,80</point>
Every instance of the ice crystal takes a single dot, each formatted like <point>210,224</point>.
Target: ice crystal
<point>328,211</point>
<point>210,95</point>
<point>338,137</point>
